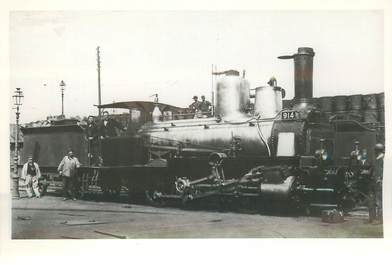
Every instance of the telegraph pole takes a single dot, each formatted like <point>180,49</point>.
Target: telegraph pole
<point>99,81</point>
<point>212,90</point>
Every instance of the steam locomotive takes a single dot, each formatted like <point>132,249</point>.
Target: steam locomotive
<point>253,145</point>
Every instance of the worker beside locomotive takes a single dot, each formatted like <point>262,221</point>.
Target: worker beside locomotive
<point>31,175</point>
<point>68,171</point>
<point>375,187</point>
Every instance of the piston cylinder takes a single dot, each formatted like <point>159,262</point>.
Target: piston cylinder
<point>278,191</point>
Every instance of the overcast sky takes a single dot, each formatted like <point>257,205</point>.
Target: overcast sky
<point>171,53</point>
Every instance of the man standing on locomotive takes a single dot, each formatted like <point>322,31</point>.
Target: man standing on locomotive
<point>92,136</point>
<point>67,170</point>
<point>205,107</point>
<point>375,193</point>
<point>195,106</point>
<point>108,126</point>
<point>31,174</point>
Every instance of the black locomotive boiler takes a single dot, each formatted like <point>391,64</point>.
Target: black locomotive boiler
<point>254,145</point>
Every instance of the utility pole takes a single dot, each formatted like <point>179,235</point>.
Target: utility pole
<point>99,81</point>
<point>212,90</point>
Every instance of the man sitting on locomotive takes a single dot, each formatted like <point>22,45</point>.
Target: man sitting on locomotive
<point>108,126</point>
<point>31,174</point>
<point>67,170</point>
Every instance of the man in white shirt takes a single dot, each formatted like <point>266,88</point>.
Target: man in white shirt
<point>68,169</point>
<point>31,174</point>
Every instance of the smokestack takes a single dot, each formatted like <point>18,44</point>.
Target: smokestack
<point>303,73</point>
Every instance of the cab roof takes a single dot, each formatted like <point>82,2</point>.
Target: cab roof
<point>147,106</point>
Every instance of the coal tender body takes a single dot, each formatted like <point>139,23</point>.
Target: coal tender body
<point>265,152</point>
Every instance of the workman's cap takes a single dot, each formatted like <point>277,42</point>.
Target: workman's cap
<point>195,97</point>
<point>30,157</point>
<point>379,147</point>
<point>203,96</point>
<point>356,142</point>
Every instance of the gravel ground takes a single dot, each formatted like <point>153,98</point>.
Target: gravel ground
<point>51,218</point>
